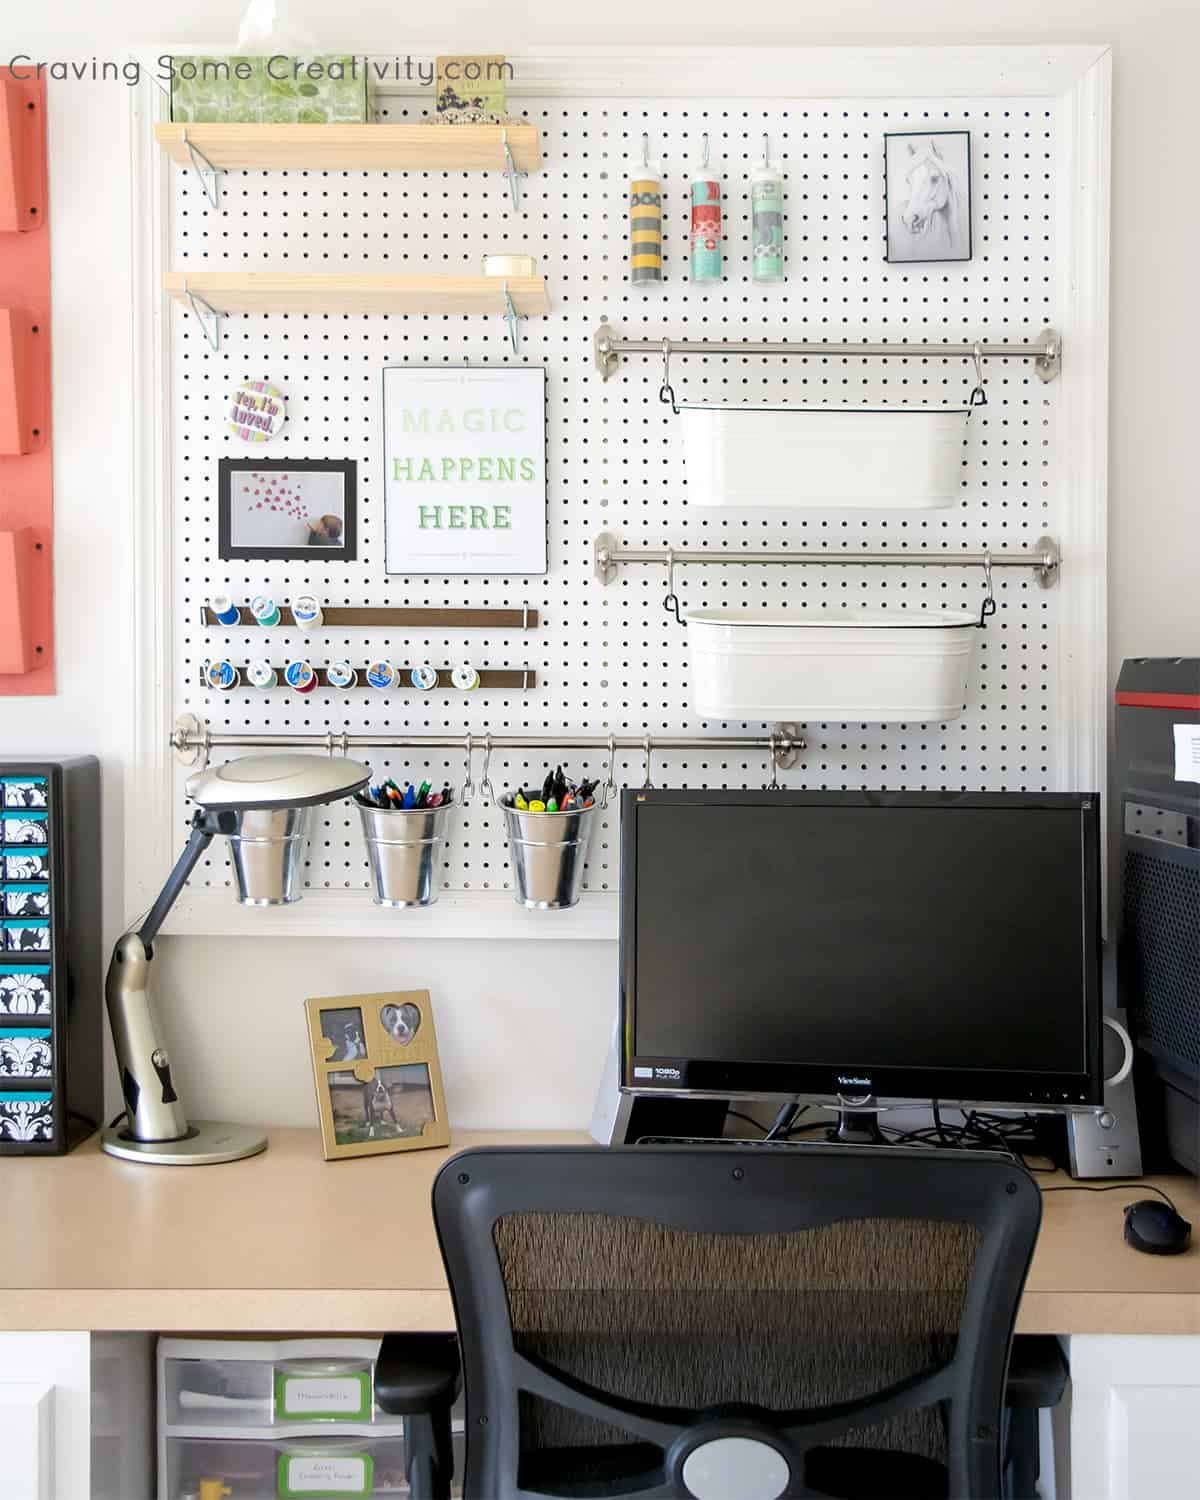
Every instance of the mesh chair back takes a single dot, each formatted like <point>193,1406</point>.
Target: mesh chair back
<point>617,1308</point>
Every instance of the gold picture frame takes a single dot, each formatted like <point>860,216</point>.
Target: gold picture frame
<point>377,1074</point>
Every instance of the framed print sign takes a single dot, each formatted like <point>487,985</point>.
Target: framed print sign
<point>465,467</point>
<point>928,195</point>
<point>297,508</point>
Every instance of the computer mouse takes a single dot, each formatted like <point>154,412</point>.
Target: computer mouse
<point>1156,1228</point>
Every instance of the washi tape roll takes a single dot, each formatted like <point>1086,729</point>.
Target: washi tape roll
<point>306,611</point>
<point>381,676</point>
<point>423,678</point>
<point>341,674</point>
<point>466,679</point>
<point>261,674</point>
<point>265,610</point>
<point>225,609</point>
<point>706,226</point>
<point>645,224</point>
<point>221,675</point>
<point>257,411</point>
<point>301,676</point>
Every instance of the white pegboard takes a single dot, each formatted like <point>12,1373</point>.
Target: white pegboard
<point>609,658</point>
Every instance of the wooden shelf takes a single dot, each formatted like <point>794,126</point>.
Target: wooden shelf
<point>350,148</point>
<point>357,615</point>
<point>357,292</point>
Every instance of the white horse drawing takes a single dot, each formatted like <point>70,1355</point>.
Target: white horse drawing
<point>932,210</point>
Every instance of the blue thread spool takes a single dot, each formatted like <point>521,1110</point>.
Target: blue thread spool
<point>225,609</point>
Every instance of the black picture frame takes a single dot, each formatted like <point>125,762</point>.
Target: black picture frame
<point>229,549</point>
<point>967,250</point>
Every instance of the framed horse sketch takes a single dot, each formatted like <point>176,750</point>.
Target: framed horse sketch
<point>377,1074</point>
<point>928,193</point>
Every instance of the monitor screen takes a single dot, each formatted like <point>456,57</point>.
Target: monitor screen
<point>907,945</point>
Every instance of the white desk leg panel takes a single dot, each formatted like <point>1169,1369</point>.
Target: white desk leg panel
<point>57,1363</point>
<point>1135,1418</point>
<point>27,1439</point>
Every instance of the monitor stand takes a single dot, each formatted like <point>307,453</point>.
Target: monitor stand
<point>857,1124</point>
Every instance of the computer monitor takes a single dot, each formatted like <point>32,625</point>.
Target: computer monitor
<point>905,945</point>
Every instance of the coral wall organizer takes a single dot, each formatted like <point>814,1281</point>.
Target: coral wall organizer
<point>26,481</point>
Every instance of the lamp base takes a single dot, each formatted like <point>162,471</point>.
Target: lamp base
<point>206,1143</point>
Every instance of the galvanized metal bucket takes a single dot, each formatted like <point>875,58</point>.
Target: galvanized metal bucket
<point>405,849</point>
<point>267,854</point>
<point>547,851</point>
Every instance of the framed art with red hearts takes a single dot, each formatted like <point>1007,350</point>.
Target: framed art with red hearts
<point>298,508</point>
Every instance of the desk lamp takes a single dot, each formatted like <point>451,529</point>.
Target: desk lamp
<point>262,804</point>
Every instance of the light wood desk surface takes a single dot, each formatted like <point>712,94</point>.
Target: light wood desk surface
<point>287,1242</point>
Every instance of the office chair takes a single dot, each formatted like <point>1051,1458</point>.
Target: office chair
<point>723,1323</point>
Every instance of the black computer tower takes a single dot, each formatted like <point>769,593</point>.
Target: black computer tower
<point>1158,952</point>
<point>51,1038</point>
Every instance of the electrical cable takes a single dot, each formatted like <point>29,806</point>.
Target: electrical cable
<point>1128,1186</point>
<point>736,1114</point>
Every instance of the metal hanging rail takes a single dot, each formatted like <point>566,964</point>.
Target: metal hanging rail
<point>1046,351</point>
<point>192,740</point>
<point>1044,556</point>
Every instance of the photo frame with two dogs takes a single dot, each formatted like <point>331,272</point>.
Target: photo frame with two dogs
<point>377,1073</point>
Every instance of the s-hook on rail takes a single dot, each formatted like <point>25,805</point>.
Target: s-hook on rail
<point>1046,351</point>
<point>192,741</point>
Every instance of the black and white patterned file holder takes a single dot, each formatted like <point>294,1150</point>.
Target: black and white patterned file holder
<point>51,1037</point>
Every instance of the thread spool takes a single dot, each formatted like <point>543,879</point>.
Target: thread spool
<point>766,221</point>
<point>424,678</point>
<point>265,610</point>
<point>341,674</point>
<point>300,676</point>
<point>306,611</point>
<point>706,229</point>
<point>261,675</point>
<point>645,221</point>
<point>381,676</point>
<point>221,676</point>
<point>225,609</point>
<point>465,679</point>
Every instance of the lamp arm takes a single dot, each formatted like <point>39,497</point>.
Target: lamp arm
<point>205,827</point>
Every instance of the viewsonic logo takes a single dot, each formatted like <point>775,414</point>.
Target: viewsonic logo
<point>847,1082</point>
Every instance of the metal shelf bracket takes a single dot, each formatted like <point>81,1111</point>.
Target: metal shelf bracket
<point>209,175</point>
<point>512,317</point>
<point>209,317</point>
<point>512,174</point>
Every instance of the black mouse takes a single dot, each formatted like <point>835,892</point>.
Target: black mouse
<point>1156,1228</point>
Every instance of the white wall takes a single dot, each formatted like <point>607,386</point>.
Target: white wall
<point>500,1005</point>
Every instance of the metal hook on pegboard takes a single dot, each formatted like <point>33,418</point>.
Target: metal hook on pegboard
<point>671,602</point>
<point>989,601</point>
<point>468,786</point>
<point>207,316</point>
<point>608,791</point>
<point>512,317</point>
<point>209,174</point>
<point>979,393</point>
<point>666,392</point>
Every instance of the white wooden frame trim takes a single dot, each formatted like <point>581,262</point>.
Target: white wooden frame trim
<point>1079,78</point>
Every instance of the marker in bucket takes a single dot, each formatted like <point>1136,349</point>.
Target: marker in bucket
<point>381,676</point>
<point>265,610</point>
<point>225,609</point>
<point>261,674</point>
<point>341,674</point>
<point>221,675</point>
<point>307,613</point>
<point>300,676</point>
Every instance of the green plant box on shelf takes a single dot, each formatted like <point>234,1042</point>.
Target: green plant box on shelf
<point>268,91</point>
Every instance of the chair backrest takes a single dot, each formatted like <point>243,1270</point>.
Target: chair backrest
<point>624,1310</point>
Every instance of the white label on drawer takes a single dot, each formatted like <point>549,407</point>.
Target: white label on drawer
<point>332,1395</point>
<point>1187,752</point>
<point>327,1476</point>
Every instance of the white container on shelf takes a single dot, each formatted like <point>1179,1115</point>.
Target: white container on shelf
<point>865,666</point>
<point>823,458</point>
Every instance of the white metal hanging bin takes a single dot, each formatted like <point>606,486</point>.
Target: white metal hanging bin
<point>791,457</point>
<point>868,666</point>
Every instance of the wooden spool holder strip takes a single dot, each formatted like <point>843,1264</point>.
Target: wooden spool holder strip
<point>352,616</point>
<point>514,678</point>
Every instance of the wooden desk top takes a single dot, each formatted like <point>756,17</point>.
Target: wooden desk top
<point>286,1242</point>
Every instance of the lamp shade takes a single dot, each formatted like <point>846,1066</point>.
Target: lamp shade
<point>276,781</point>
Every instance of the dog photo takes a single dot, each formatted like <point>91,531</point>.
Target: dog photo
<point>928,190</point>
<point>394,1104</point>
<point>344,1028</point>
<point>291,508</point>
<point>401,1022</point>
